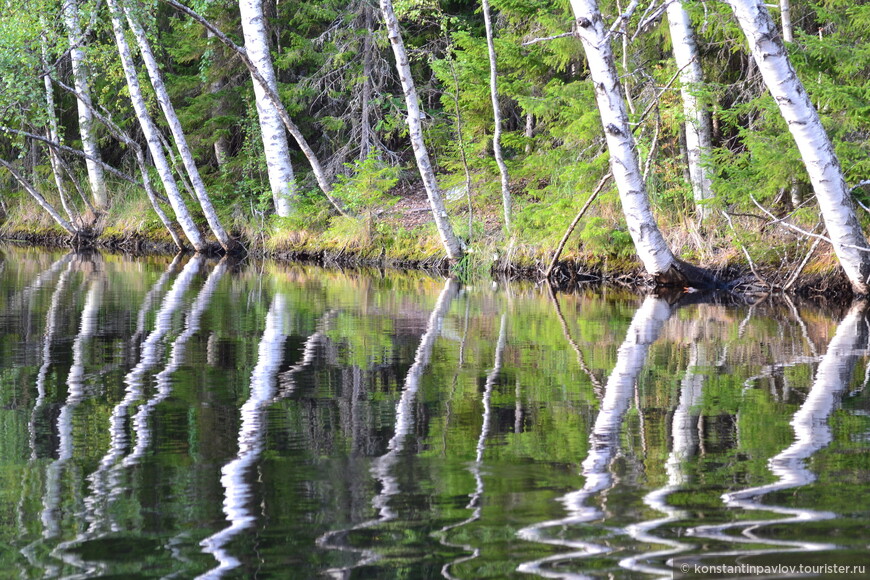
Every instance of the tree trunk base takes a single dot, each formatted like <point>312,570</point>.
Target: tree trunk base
<point>684,275</point>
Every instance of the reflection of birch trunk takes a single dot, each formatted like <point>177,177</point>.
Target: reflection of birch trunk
<point>176,358</point>
<point>237,489</point>
<point>75,394</point>
<point>382,466</point>
<point>151,296</point>
<point>103,485</point>
<point>476,468</point>
<point>812,433</point>
<point>603,440</point>
<point>22,298</point>
<point>287,379</point>
<point>49,525</point>
<point>48,336</point>
<point>684,434</point>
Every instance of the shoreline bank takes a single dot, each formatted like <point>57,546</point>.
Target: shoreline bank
<point>819,282</point>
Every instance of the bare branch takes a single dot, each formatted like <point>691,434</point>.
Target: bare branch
<point>77,152</point>
<point>776,220</point>
<point>546,38</point>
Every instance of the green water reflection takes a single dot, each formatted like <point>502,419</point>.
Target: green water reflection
<point>189,417</point>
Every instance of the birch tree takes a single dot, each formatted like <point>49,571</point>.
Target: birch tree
<point>496,113</point>
<point>156,78</point>
<point>812,141</point>
<point>149,130</point>
<point>96,177</point>
<point>124,138</point>
<point>415,130</point>
<point>279,168</point>
<point>699,141</point>
<point>53,133</point>
<point>651,247</point>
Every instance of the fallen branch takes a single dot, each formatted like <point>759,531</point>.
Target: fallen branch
<point>776,220</point>
<point>571,227</point>
<point>758,276</point>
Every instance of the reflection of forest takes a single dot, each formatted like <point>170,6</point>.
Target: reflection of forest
<point>123,381</point>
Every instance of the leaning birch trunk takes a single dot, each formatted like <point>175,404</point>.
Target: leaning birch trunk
<point>53,133</point>
<point>281,178</point>
<point>96,176</point>
<point>496,113</point>
<point>149,130</point>
<point>156,77</point>
<point>39,199</point>
<point>812,141</point>
<point>415,130</point>
<point>653,251</point>
<point>121,136</point>
<point>699,140</point>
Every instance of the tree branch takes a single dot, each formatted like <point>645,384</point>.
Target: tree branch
<point>77,152</point>
<point>546,38</point>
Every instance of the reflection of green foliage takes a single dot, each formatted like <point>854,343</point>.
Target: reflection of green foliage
<point>333,417</point>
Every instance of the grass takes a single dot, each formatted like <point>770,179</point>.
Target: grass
<point>600,242</point>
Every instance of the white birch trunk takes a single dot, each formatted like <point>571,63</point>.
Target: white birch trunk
<point>812,141</point>
<point>53,133</point>
<point>316,167</point>
<point>496,113</point>
<point>698,129</point>
<point>281,178</point>
<point>96,176</point>
<point>649,243</point>
<point>785,10</point>
<point>415,130</point>
<point>156,77</point>
<point>149,130</point>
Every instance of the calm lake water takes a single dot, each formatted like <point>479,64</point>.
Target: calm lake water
<point>182,418</point>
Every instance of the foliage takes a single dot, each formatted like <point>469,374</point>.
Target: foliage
<point>367,184</point>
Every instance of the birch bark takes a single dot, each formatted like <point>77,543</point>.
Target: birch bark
<point>698,129</point>
<point>156,77</point>
<point>279,168</point>
<point>53,133</point>
<point>96,176</point>
<point>316,167</point>
<point>496,113</point>
<point>149,130</point>
<point>812,141</point>
<point>651,247</point>
<point>415,130</point>
<point>785,10</point>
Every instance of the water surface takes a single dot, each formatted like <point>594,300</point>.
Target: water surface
<point>187,417</point>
